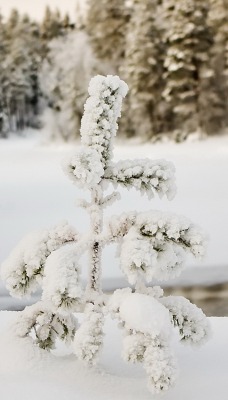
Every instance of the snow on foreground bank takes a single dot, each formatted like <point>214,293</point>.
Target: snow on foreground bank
<point>29,373</point>
<point>36,195</point>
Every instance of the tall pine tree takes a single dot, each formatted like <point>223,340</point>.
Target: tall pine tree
<point>4,120</point>
<point>142,69</point>
<point>106,25</point>
<point>218,21</point>
<point>21,65</point>
<point>188,73</point>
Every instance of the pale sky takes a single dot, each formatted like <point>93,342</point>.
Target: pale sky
<point>35,8</point>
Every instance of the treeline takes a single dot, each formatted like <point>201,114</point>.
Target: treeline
<point>173,55</point>
<point>23,48</point>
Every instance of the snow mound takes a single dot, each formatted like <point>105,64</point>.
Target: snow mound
<point>29,373</point>
<point>146,315</point>
<point>20,354</point>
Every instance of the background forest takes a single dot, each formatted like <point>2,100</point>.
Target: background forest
<point>173,55</point>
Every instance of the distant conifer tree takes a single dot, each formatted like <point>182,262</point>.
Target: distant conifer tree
<point>188,72</point>
<point>142,68</point>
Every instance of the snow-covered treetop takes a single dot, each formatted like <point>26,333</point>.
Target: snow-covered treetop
<point>102,109</point>
<point>92,164</point>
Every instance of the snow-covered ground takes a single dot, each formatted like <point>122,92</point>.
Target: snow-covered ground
<point>27,373</point>
<point>35,194</point>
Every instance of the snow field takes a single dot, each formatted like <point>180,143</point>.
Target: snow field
<point>27,370</point>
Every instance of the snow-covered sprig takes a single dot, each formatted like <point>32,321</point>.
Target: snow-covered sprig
<point>147,338</point>
<point>190,320</point>
<point>137,257</point>
<point>118,226</point>
<point>160,365</point>
<point>102,109</point>
<point>145,175</point>
<point>153,244</point>
<point>43,324</point>
<point>23,270</point>
<point>84,168</point>
<point>147,331</point>
<point>140,258</point>
<point>88,339</point>
<point>166,227</point>
<point>61,283</point>
<point>134,347</point>
<point>156,356</point>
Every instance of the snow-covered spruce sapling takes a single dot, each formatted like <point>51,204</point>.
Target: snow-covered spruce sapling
<point>152,245</point>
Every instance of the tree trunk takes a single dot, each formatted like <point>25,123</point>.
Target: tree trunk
<point>96,218</point>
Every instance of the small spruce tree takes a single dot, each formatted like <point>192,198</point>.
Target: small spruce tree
<point>151,245</point>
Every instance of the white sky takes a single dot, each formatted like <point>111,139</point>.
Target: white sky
<point>35,8</point>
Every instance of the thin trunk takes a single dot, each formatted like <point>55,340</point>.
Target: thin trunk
<point>96,218</point>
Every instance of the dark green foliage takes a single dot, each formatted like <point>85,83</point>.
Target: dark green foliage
<point>142,68</point>
<point>188,73</point>
<point>106,25</point>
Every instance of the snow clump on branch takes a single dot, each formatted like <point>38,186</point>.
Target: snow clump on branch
<point>190,320</point>
<point>24,268</point>
<point>84,168</point>
<point>61,283</point>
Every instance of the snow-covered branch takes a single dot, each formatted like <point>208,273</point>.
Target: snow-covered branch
<point>190,320</point>
<point>146,175</point>
<point>155,246</point>
<point>45,325</point>
<point>160,365</point>
<point>147,337</point>
<point>110,199</point>
<point>23,270</point>
<point>89,337</point>
<point>119,225</point>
